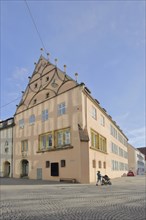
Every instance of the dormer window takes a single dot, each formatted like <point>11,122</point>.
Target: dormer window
<point>35,85</point>
<point>10,121</point>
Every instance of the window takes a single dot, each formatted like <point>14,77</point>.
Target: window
<point>34,101</point>
<point>61,109</point>
<point>47,95</point>
<point>45,141</point>
<point>21,123</point>
<point>32,119</point>
<point>47,78</point>
<point>44,115</point>
<point>125,154</point>
<point>94,139</point>
<point>102,120</point>
<point>94,163</point>
<point>121,152</point>
<point>62,137</point>
<point>94,112</point>
<point>24,145</point>
<point>63,163</point>
<point>122,139</point>
<point>104,165</point>
<point>10,121</point>
<point>6,150</point>
<point>113,132</point>
<point>47,164</point>
<point>99,164</point>
<point>67,137</point>
<point>126,166</point>
<point>115,165</point>
<point>114,148</point>
<point>121,166</point>
<point>102,143</point>
<point>98,141</point>
<point>35,85</point>
<point>49,141</point>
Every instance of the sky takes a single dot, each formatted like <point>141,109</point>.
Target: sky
<point>103,41</point>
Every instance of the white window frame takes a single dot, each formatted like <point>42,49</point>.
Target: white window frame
<point>63,137</point>
<point>21,123</point>
<point>94,112</point>
<point>45,115</point>
<point>45,141</point>
<point>102,120</point>
<point>62,108</point>
<point>24,145</point>
<point>32,119</point>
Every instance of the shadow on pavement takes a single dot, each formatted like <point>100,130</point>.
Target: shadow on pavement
<point>15,181</point>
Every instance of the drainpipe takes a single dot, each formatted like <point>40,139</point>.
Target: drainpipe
<point>12,155</point>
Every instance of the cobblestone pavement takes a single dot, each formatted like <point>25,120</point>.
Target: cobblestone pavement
<point>125,199</point>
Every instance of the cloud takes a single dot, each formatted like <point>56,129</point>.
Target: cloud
<point>20,73</point>
<point>137,137</point>
<point>19,78</point>
<point>121,119</point>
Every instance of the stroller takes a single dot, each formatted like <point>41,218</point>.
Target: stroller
<point>106,180</point>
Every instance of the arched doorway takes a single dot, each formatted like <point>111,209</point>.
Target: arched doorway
<point>6,169</point>
<point>25,166</point>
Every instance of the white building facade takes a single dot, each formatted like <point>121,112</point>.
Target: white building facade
<point>136,160</point>
<point>6,147</point>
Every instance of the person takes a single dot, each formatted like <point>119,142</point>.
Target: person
<point>99,177</point>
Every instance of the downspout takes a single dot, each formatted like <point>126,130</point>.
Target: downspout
<point>12,154</point>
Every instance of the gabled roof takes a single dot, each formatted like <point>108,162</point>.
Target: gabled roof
<point>46,78</point>
<point>9,122</point>
<point>58,83</point>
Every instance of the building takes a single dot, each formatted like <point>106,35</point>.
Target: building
<point>143,151</point>
<point>61,132</point>
<point>6,147</point>
<point>136,160</point>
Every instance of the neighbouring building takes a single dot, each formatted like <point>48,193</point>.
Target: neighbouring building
<point>6,147</point>
<point>136,160</point>
<point>61,132</point>
<point>143,151</point>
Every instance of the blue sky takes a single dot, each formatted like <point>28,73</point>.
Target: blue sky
<point>103,41</point>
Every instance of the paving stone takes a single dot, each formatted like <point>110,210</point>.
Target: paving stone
<point>34,200</point>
